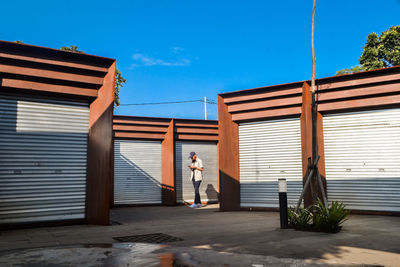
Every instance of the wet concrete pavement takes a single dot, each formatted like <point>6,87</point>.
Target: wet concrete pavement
<point>372,240</point>
<point>137,254</point>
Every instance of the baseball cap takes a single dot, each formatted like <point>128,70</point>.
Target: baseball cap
<point>192,154</point>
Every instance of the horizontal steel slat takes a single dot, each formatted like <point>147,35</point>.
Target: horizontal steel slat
<point>67,193</point>
<point>41,202</point>
<point>22,112</point>
<point>25,212</point>
<point>10,100</point>
<point>43,137</point>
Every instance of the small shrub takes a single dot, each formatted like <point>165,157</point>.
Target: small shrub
<point>301,219</point>
<point>330,223</point>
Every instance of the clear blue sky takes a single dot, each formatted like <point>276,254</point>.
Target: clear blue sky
<point>183,50</point>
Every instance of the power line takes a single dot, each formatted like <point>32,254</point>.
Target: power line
<point>209,101</point>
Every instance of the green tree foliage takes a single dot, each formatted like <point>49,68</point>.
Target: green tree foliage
<point>379,51</point>
<point>350,70</point>
<point>71,48</point>
<point>119,80</point>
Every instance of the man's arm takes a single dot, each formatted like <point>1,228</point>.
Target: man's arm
<point>200,168</point>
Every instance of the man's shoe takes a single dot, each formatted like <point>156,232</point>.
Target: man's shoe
<point>199,205</point>
<point>193,206</point>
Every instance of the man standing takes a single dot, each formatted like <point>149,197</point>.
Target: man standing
<point>196,177</point>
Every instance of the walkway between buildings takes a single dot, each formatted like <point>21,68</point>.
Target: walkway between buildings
<point>373,240</point>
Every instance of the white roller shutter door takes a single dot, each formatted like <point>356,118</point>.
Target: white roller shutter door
<point>269,150</point>
<point>207,152</point>
<point>43,157</point>
<point>137,172</point>
<point>362,159</point>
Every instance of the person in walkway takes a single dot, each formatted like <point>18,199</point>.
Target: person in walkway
<point>196,177</point>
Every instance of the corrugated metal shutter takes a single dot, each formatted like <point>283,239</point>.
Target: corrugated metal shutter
<point>207,152</point>
<point>42,159</point>
<point>362,159</point>
<point>137,172</point>
<point>269,150</point>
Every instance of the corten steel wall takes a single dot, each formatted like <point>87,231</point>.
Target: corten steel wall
<point>168,131</point>
<point>32,70</point>
<point>359,91</point>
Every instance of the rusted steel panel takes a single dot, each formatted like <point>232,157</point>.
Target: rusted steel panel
<point>196,137</point>
<point>207,124</point>
<point>197,131</point>
<point>306,142</point>
<point>270,113</point>
<point>51,72</point>
<point>134,128</point>
<point>135,135</point>
<point>263,89</point>
<point>359,103</point>
<point>289,101</point>
<point>360,92</point>
<point>40,73</point>
<point>369,83</point>
<point>147,127</point>
<point>228,160</point>
<point>100,149</point>
<point>140,121</point>
<point>53,62</point>
<point>54,54</point>
<point>168,185</point>
<point>260,95</point>
<point>358,76</point>
<point>46,87</point>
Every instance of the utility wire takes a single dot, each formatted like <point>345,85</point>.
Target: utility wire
<point>172,102</point>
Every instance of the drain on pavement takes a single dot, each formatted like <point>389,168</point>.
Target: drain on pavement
<point>115,222</point>
<point>149,238</point>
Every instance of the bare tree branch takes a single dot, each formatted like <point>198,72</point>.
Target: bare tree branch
<point>313,50</point>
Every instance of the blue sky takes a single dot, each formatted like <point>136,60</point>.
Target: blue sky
<point>185,50</point>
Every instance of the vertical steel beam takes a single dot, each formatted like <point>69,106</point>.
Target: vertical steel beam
<point>99,155</point>
<point>228,159</point>
<point>168,185</point>
<point>307,142</point>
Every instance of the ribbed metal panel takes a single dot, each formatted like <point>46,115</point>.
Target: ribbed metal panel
<point>207,152</point>
<point>42,159</point>
<point>269,150</point>
<point>362,159</point>
<point>137,172</point>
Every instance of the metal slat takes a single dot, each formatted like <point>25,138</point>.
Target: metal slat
<point>362,155</point>
<point>137,172</point>
<point>269,150</point>
<point>207,152</point>
<point>43,159</point>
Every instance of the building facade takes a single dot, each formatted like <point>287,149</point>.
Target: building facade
<point>55,135</point>
<point>151,159</point>
<point>265,134</point>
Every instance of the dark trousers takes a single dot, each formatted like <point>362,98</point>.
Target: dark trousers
<point>196,185</point>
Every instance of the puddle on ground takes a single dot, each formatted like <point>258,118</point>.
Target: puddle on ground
<point>116,254</point>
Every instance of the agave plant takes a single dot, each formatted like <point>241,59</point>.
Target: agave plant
<point>300,219</point>
<point>330,222</point>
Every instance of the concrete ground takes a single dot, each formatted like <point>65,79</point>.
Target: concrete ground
<point>369,240</point>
